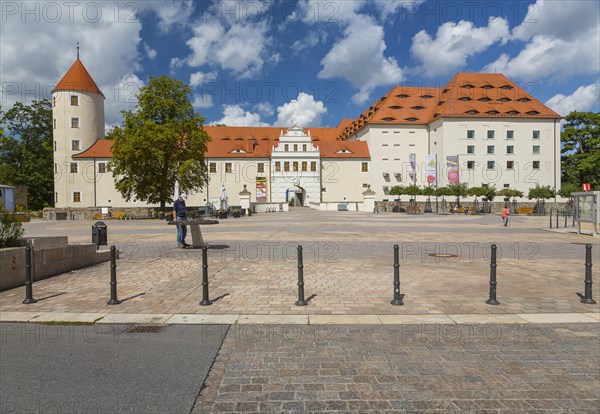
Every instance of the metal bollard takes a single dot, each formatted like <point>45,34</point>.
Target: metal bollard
<point>28,278</point>
<point>587,298</point>
<point>300,301</point>
<point>550,218</point>
<point>205,301</point>
<point>113,277</point>
<point>566,216</point>
<point>556,218</point>
<point>397,296</point>
<point>492,299</point>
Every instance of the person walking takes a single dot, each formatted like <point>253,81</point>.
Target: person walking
<point>505,216</point>
<point>179,215</point>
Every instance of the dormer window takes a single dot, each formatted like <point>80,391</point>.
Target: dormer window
<point>484,99</point>
<point>239,139</point>
<point>436,114</point>
<point>513,112</point>
<point>389,119</point>
<point>344,151</point>
<point>426,96</point>
<point>402,95</point>
<point>440,103</point>
<point>492,112</point>
<point>533,113</point>
<point>418,107</point>
<point>523,100</point>
<point>506,87</point>
<point>238,151</point>
<point>395,107</point>
<point>488,86</point>
<point>504,99</point>
<point>226,139</point>
<point>472,112</point>
<point>464,98</point>
<point>411,119</point>
<point>445,90</point>
<point>468,86</point>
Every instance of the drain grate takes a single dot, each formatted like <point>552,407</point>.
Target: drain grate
<point>443,255</point>
<point>145,329</point>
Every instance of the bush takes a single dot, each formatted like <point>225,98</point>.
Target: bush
<point>10,230</point>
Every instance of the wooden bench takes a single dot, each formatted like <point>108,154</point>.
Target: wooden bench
<point>524,210</point>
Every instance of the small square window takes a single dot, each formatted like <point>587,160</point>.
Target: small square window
<point>470,149</point>
<point>365,167</point>
<point>536,165</point>
<point>536,149</point>
<point>75,145</point>
<point>212,167</point>
<point>74,168</point>
<point>506,185</point>
<point>295,147</point>
<point>277,166</point>
<point>304,147</point>
<point>510,165</point>
<point>491,165</point>
<point>304,166</point>
<point>74,100</point>
<point>261,167</point>
<point>490,149</point>
<point>510,149</point>
<point>536,134</point>
<point>76,197</point>
<point>101,167</point>
<point>74,122</point>
<point>470,133</point>
<point>510,134</point>
<point>490,134</point>
<point>228,167</point>
<point>286,147</point>
<point>313,166</point>
<point>470,165</point>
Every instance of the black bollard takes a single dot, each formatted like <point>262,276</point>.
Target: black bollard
<point>566,216</point>
<point>587,298</point>
<point>397,296</point>
<point>28,278</point>
<point>205,301</point>
<point>492,299</point>
<point>556,218</point>
<point>550,218</point>
<point>300,301</point>
<point>113,277</point>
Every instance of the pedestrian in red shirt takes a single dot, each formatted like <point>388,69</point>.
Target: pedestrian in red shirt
<point>505,216</point>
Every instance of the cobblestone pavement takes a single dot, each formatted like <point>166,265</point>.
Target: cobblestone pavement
<point>347,266</point>
<point>402,368</point>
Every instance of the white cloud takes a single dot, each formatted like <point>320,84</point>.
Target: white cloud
<point>202,101</point>
<point>388,9</point>
<point>547,56</point>
<point>583,99</point>
<point>241,48</point>
<point>110,50</point>
<point>151,53</point>
<point>313,38</point>
<point>121,95</point>
<point>454,43</point>
<point>303,111</point>
<point>235,115</point>
<point>359,58</point>
<point>265,109</point>
<point>170,13</point>
<point>198,78</point>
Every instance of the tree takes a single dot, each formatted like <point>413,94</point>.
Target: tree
<point>567,188</point>
<point>541,192</point>
<point>509,192</point>
<point>163,142</point>
<point>26,151</point>
<point>581,148</point>
<point>413,190</point>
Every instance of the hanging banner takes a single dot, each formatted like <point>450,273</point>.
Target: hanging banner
<point>431,168</point>
<point>412,158</point>
<point>452,163</point>
<point>261,190</point>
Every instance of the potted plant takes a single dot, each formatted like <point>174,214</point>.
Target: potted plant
<point>236,213</point>
<point>222,214</point>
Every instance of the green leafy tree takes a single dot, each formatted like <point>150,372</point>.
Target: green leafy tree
<point>428,191</point>
<point>509,192</point>
<point>161,143</point>
<point>581,148</point>
<point>442,191</point>
<point>413,190</point>
<point>26,151</point>
<point>397,190</point>
<point>567,188</point>
<point>541,192</point>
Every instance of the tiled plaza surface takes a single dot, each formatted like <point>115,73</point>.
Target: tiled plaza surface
<point>348,267</point>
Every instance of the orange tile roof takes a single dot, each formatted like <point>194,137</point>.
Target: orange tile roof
<point>99,149</point>
<point>351,149</point>
<point>77,78</point>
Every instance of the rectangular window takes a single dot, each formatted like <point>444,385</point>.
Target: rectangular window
<point>490,149</point>
<point>295,147</point>
<point>304,166</point>
<point>74,100</point>
<point>536,134</point>
<point>510,134</point>
<point>313,166</point>
<point>536,149</point>
<point>490,165</point>
<point>55,197</point>
<point>74,168</point>
<point>470,165</point>
<point>54,145</point>
<point>261,167</point>
<point>490,134</point>
<point>76,197</point>
<point>510,165</point>
<point>101,167</point>
<point>228,167</point>
<point>74,122</point>
<point>295,166</point>
<point>55,168</point>
<point>53,101</point>
<point>304,147</point>
<point>75,145</point>
<point>54,123</point>
<point>470,133</point>
<point>510,149</point>
<point>212,167</point>
<point>470,149</point>
<point>365,167</point>
<point>536,165</point>
<point>286,147</point>
<point>286,166</point>
<point>506,185</point>
<point>277,166</point>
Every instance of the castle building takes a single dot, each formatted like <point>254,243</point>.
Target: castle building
<point>495,133</point>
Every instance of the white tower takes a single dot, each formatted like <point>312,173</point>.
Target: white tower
<point>78,121</point>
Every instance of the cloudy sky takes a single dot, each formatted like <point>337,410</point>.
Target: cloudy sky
<point>304,61</point>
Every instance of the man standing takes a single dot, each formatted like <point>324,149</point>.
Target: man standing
<point>505,216</point>
<point>179,215</point>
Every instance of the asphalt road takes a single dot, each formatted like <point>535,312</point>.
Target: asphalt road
<point>104,369</point>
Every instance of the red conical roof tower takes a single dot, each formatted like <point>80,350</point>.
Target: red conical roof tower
<point>77,78</point>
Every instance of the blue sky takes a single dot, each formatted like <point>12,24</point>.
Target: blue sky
<point>309,62</point>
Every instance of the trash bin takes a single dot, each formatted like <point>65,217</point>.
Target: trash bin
<point>343,206</point>
<point>100,233</point>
